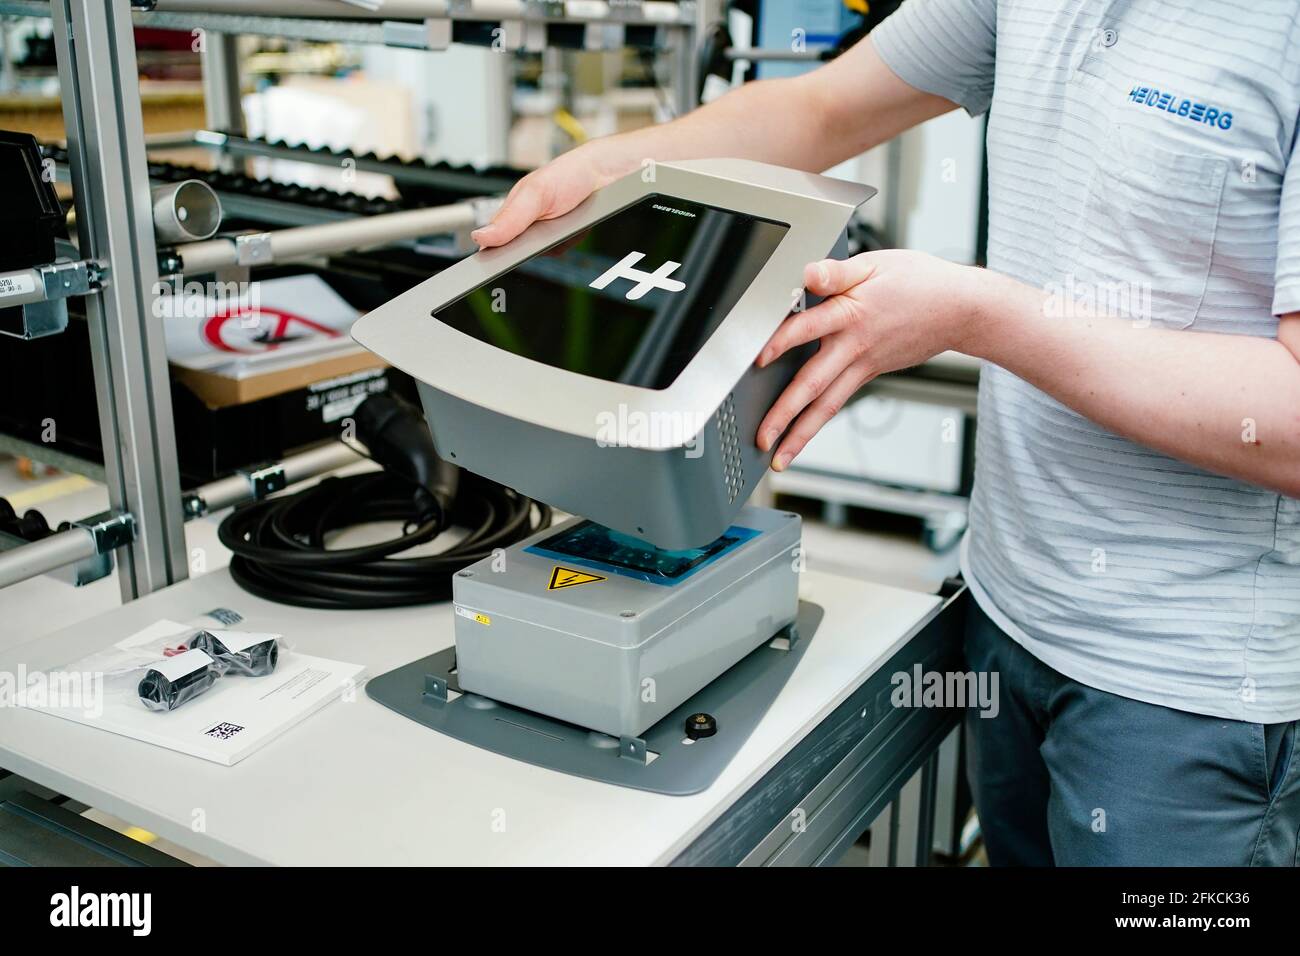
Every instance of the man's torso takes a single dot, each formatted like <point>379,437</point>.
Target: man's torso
<point>1136,160</point>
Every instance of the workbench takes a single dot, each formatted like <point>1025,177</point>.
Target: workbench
<point>356,784</point>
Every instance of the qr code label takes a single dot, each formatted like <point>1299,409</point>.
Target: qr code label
<point>223,731</point>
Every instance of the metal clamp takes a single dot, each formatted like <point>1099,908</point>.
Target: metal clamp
<point>40,293</point>
<point>265,480</point>
<point>485,207</point>
<point>435,688</point>
<point>634,749</point>
<point>108,530</point>
<point>169,263</point>
<point>254,249</point>
<point>64,279</point>
<point>432,34</point>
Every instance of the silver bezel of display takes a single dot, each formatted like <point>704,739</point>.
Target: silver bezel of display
<point>816,208</point>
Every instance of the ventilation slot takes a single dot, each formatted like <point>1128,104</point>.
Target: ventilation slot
<point>733,470</point>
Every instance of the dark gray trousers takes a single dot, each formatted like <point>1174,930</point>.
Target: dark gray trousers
<point>1069,775</point>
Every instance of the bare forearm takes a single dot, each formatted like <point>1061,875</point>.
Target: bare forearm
<point>1228,403</point>
<point>751,122</point>
<point>808,122</point>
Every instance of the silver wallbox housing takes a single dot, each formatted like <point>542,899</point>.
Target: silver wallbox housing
<point>608,645</point>
<point>671,464</point>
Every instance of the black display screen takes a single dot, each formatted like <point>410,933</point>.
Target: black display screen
<point>631,299</point>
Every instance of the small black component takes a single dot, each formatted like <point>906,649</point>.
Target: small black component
<point>396,436</point>
<point>701,725</point>
<point>33,216</point>
<point>159,693</point>
<point>255,661</point>
<point>32,526</point>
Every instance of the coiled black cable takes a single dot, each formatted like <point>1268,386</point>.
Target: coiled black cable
<point>280,553</point>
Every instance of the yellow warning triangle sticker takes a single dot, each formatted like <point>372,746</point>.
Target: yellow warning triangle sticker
<point>563,577</point>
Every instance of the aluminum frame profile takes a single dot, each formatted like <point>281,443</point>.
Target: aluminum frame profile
<point>95,48</point>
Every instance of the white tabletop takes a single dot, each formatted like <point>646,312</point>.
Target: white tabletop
<point>358,784</point>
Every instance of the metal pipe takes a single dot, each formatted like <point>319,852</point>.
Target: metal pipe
<point>180,139</point>
<point>187,211</point>
<point>648,12</point>
<point>326,9</point>
<point>317,461</point>
<point>225,492</point>
<point>216,495</point>
<point>54,280</point>
<point>22,287</point>
<point>222,92</point>
<point>303,242</point>
<point>779,54</point>
<point>49,554</point>
<point>78,544</point>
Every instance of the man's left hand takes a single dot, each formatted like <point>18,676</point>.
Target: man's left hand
<point>882,311</point>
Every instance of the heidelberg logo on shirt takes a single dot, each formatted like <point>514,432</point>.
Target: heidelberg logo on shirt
<point>1172,103</point>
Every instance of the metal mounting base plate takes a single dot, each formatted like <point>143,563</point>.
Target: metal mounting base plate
<point>426,691</point>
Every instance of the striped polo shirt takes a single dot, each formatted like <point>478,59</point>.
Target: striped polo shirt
<point>1140,161</point>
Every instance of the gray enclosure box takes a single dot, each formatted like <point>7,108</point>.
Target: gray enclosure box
<point>583,625</point>
<point>603,362</point>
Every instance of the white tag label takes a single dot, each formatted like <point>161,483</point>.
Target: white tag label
<point>333,411</point>
<point>586,9</point>
<point>659,11</point>
<point>174,668</point>
<point>476,616</point>
<point>16,285</point>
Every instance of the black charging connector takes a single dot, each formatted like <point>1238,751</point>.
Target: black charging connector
<point>398,439</point>
<point>279,543</point>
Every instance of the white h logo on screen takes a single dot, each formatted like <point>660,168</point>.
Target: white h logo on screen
<point>643,281</point>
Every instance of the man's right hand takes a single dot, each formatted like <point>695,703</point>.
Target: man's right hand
<point>545,193</point>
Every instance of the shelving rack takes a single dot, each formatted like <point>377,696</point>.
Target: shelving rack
<point>106,160</point>
<point>107,163</point>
